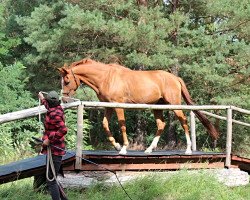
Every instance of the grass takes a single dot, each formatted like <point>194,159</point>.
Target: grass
<point>179,186</point>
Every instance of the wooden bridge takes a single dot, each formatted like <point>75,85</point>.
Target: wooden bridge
<point>134,160</point>
<point>157,160</point>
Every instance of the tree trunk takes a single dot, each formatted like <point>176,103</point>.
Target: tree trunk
<point>140,130</point>
<point>171,131</point>
<point>172,121</point>
<point>141,124</point>
<point>142,3</point>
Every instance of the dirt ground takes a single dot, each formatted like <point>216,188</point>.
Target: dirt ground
<point>84,179</point>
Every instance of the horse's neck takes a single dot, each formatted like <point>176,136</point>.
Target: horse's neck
<point>92,75</point>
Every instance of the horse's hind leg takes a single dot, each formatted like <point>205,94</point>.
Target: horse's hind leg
<point>160,127</point>
<point>122,124</point>
<point>105,122</point>
<point>182,118</point>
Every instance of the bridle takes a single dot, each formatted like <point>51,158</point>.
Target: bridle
<point>77,86</point>
<point>67,93</point>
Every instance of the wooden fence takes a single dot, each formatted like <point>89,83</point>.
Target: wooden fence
<point>91,105</point>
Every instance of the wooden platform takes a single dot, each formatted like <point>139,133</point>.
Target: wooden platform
<point>28,167</point>
<point>133,161</point>
<point>157,160</point>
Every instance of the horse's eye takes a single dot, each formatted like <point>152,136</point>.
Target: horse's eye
<point>66,83</point>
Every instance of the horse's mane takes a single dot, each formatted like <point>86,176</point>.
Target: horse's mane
<point>90,61</point>
<point>118,66</point>
<point>81,62</point>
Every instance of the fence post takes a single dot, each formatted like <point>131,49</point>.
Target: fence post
<point>229,137</point>
<point>79,139</point>
<point>192,130</point>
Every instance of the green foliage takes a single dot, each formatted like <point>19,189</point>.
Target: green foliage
<point>100,30</point>
<point>14,97</point>
<point>15,136</point>
<point>5,45</point>
<point>206,40</point>
<point>22,189</point>
<point>181,185</point>
<point>71,122</point>
<point>6,143</point>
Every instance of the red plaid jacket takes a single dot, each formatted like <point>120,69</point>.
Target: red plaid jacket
<point>55,129</point>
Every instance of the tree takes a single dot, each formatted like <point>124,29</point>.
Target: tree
<point>15,136</point>
<point>208,45</point>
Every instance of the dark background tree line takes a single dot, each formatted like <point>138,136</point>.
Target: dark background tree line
<point>206,42</point>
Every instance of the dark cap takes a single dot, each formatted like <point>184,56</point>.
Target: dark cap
<point>52,96</point>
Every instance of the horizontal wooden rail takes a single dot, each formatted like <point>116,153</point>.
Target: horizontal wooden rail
<point>153,106</point>
<point>224,118</point>
<point>241,110</point>
<point>31,112</point>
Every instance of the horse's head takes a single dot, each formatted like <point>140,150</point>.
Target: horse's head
<point>69,82</point>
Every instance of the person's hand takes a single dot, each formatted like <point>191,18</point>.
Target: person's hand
<point>40,96</point>
<point>46,142</point>
<point>37,146</point>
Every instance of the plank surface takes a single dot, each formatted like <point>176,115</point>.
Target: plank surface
<point>133,160</point>
<point>27,167</point>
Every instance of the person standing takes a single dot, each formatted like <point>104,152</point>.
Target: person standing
<point>53,136</point>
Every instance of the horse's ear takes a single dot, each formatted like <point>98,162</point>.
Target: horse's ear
<point>62,71</point>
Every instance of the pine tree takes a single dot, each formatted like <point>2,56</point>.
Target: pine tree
<point>207,40</point>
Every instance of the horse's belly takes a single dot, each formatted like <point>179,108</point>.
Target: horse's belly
<point>144,96</point>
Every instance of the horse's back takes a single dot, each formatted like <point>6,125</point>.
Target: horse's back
<point>150,76</point>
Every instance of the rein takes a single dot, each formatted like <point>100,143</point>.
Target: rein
<point>78,85</point>
<point>62,83</point>
<point>75,78</point>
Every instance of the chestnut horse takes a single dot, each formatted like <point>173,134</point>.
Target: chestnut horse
<point>115,83</point>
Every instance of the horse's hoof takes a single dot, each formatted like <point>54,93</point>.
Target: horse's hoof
<point>188,152</point>
<point>123,152</point>
<point>118,147</point>
<point>148,150</point>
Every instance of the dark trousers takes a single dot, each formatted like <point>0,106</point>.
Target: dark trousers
<point>53,187</point>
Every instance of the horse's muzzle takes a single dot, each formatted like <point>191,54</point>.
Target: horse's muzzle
<point>67,99</point>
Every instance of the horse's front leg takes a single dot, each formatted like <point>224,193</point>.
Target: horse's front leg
<point>105,122</point>
<point>122,124</point>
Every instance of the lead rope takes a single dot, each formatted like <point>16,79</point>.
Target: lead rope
<point>49,154</point>
<point>41,127</point>
<point>51,164</point>
<point>89,161</point>
<point>39,117</point>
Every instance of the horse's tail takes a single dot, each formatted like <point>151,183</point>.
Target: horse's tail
<point>204,120</point>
